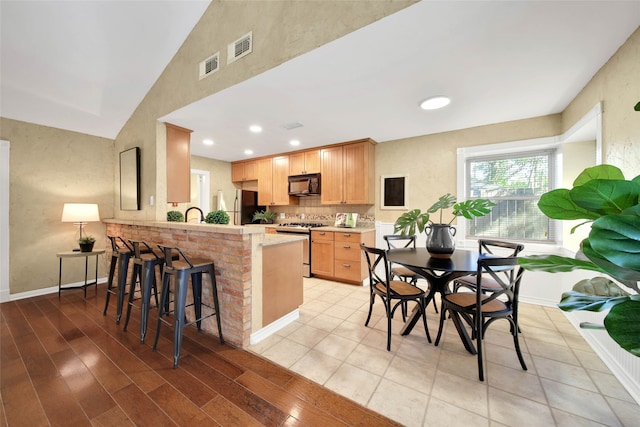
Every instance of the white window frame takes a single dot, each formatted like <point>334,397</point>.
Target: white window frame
<point>592,118</point>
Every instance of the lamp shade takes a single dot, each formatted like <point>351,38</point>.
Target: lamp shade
<point>80,212</point>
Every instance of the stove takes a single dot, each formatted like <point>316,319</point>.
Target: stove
<point>299,226</point>
<point>304,229</point>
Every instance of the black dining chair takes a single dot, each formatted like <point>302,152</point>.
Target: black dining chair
<point>398,241</point>
<point>488,247</point>
<point>480,309</point>
<point>392,293</point>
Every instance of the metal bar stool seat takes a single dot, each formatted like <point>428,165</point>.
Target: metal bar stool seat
<point>144,272</point>
<point>121,254</point>
<point>181,270</point>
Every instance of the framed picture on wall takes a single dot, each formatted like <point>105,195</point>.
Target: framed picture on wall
<point>393,191</point>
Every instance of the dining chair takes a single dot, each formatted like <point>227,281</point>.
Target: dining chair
<point>489,247</point>
<point>480,309</point>
<point>392,293</point>
<point>397,241</point>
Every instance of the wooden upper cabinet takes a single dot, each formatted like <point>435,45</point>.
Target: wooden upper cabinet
<point>347,173</point>
<point>273,182</point>
<point>244,171</point>
<point>265,181</point>
<point>178,164</point>
<point>304,162</point>
<point>331,176</point>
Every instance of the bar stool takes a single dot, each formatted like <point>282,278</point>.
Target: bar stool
<point>144,272</point>
<point>121,253</point>
<point>181,270</point>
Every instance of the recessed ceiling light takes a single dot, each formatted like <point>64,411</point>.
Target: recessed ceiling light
<point>248,152</point>
<point>255,128</point>
<point>435,102</point>
<point>294,142</point>
<point>207,141</point>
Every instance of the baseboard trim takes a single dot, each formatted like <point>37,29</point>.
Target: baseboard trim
<point>46,291</point>
<point>274,327</point>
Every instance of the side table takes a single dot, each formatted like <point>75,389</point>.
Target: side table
<point>78,254</point>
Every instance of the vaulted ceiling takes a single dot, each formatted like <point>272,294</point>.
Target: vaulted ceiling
<point>85,66</point>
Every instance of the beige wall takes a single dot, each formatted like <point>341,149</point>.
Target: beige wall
<point>282,30</point>
<point>617,85</point>
<point>430,160</point>
<point>49,167</point>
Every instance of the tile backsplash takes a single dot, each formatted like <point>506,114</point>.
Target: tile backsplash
<point>313,211</point>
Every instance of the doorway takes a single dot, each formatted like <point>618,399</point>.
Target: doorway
<point>200,190</point>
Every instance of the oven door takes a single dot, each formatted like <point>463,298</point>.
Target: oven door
<point>306,249</point>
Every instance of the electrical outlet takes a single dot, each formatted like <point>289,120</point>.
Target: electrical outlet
<point>302,216</point>
<point>281,215</point>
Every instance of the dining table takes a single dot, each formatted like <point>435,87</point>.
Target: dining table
<point>438,272</point>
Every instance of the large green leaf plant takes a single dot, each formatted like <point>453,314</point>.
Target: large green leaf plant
<point>408,222</point>
<point>603,198</point>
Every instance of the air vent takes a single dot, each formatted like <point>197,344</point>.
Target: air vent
<point>239,48</point>
<point>210,65</point>
<point>292,125</point>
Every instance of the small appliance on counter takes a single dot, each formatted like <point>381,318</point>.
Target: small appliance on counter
<point>347,220</point>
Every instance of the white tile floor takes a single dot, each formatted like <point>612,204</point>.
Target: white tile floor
<point>418,384</point>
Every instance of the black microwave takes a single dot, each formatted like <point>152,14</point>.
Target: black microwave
<point>304,185</point>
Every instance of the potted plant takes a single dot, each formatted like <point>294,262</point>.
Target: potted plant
<point>265,217</point>
<point>86,243</point>
<point>440,242</point>
<point>611,205</point>
<point>175,216</point>
<point>217,217</point>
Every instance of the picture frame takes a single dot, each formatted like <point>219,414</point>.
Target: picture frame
<point>393,192</point>
<point>130,179</point>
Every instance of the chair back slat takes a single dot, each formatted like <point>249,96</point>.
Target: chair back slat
<point>169,256</point>
<point>397,241</point>
<point>118,244</point>
<point>506,273</point>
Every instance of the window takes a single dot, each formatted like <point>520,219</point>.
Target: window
<point>514,182</point>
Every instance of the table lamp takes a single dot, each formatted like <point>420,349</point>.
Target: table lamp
<point>80,214</point>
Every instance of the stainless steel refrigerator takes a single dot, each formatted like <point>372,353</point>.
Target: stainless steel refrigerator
<point>244,206</point>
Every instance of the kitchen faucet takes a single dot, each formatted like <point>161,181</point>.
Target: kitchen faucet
<point>186,214</point>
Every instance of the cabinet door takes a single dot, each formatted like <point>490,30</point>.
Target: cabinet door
<point>178,164</point>
<point>322,259</point>
<point>250,170</point>
<point>265,182</point>
<point>296,164</point>
<point>331,176</point>
<point>312,161</point>
<point>356,176</point>
<point>280,195</point>
<point>237,172</point>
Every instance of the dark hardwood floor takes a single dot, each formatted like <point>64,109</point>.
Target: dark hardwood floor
<point>63,363</point>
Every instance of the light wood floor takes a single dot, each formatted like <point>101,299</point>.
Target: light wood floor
<point>63,363</point>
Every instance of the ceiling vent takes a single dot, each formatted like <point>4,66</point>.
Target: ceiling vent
<point>239,48</point>
<point>292,125</point>
<point>210,65</point>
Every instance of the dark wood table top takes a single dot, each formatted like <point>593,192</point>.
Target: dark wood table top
<point>461,261</point>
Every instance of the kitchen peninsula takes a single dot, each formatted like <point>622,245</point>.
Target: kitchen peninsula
<point>253,290</point>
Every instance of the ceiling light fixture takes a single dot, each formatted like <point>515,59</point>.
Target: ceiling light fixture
<point>435,102</point>
<point>207,141</point>
<point>294,142</point>
<point>255,128</point>
<point>248,152</point>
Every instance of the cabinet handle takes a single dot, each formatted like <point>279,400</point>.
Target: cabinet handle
<point>346,265</point>
<point>346,235</point>
<point>347,246</point>
<point>322,233</point>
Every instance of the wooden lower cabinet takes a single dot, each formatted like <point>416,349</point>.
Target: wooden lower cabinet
<point>346,263</point>
<point>322,258</point>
